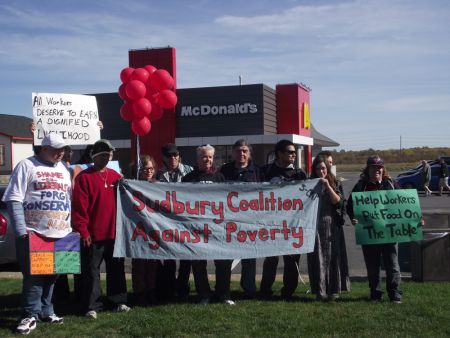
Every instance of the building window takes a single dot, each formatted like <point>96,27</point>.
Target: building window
<point>222,155</point>
<point>2,154</point>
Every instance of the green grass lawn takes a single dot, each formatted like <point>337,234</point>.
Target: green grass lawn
<point>425,312</point>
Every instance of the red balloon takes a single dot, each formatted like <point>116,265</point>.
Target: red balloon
<point>167,99</point>
<point>140,74</point>
<point>122,92</point>
<point>125,74</point>
<point>141,127</point>
<point>161,80</point>
<point>151,94</point>
<point>126,111</point>
<point>135,89</point>
<point>157,113</point>
<point>141,108</point>
<point>150,69</point>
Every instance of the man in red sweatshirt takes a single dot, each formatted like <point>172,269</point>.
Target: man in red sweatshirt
<point>94,217</point>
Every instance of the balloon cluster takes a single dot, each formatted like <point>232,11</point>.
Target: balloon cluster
<point>146,92</point>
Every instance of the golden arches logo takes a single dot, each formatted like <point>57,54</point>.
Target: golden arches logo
<point>306,116</point>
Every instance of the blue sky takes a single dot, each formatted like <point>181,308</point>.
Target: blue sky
<point>378,69</point>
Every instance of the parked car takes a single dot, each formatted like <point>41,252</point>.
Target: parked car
<point>418,168</point>
<point>7,240</point>
<point>413,180</point>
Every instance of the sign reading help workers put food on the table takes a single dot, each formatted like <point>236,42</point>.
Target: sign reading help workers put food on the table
<point>387,216</point>
<point>74,117</point>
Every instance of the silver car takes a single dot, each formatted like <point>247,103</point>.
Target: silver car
<point>7,240</point>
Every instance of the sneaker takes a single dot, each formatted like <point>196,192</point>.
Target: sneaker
<point>204,301</point>
<point>91,314</point>
<point>123,308</point>
<point>53,319</point>
<point>228,302</point>
<point>396,301</point>
<point>26,325</point>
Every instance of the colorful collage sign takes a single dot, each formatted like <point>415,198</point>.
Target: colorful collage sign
<point>49,256</point>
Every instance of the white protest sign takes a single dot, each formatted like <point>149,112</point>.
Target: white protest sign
<point>72,116</point>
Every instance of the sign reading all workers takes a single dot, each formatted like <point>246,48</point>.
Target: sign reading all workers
<point>387,216</point>
<point>74,117</point>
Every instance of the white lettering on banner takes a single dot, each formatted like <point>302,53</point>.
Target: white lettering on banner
<point>203,110</point>
<point>216,221</point>
<point>73,117</point>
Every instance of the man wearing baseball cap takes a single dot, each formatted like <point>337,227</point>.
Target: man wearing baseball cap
<point>38,197</point>
<point>94,217</point>
<point>168,284</point>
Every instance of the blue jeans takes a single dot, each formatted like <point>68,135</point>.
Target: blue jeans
<point>37,290</point>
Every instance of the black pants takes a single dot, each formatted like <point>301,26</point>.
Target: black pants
<point>184,271</point>
<point>166,279</point>
<point>290,275</point>
<point>223,277</point>
<point>116,288</point>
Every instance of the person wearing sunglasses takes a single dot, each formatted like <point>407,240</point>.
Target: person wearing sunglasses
<point>172,171</point>
<point>282,169</point>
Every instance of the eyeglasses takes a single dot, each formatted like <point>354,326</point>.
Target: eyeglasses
<point>291,152</point>
<point>172,155</point>
<point>148,169</point>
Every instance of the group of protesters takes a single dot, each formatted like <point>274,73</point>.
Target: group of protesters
<point>93,215</point>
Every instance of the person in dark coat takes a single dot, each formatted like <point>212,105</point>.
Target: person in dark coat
<point>282,169</point>
<point>443,177</point>
<point>242,169</point>
<point>376,177</point>
<point>205,172</point>
<point>328,264</point>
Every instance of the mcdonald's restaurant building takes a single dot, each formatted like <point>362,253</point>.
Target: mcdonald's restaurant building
<point>217,116</point>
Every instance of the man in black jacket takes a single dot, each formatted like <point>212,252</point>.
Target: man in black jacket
<point>443,178</point>
<point>242,169</point>
<point>282,169</point>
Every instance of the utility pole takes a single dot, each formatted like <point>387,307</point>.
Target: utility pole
<point>400,151</point>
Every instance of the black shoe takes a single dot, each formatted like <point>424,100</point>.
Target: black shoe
<point>265,294</point>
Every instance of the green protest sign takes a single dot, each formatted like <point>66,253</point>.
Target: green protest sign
<point>67,262</point>
<point>387,216</point>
